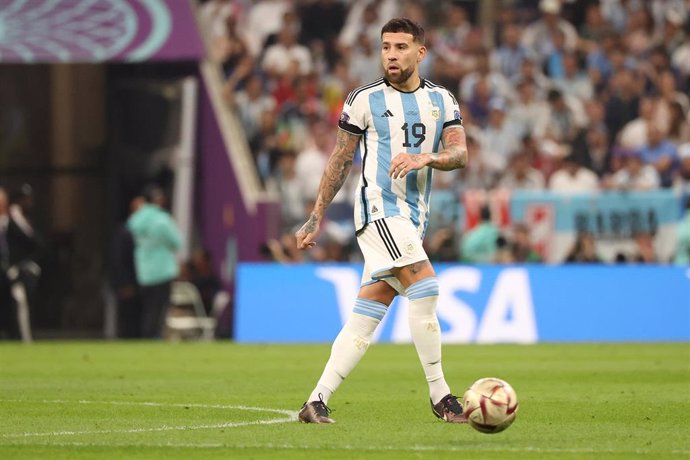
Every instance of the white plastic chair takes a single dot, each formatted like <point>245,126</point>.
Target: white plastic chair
<point>195,322</point>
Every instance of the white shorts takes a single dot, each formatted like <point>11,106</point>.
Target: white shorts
<point>389,243</point>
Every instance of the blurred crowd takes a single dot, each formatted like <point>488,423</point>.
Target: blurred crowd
<point>568,96</point>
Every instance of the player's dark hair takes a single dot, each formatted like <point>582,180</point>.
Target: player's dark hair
<point>404,25</point>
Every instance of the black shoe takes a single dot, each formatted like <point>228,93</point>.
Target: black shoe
<point>449,409</point>
<point>315,412</point>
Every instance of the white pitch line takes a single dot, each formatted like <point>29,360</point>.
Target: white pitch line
<point>382,448</point>
<point>290,417</point>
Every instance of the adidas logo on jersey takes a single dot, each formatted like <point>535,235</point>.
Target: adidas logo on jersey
<point>374,209</point>
<point>387,114</point>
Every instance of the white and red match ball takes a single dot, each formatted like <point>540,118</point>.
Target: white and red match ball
<point>490,405</point>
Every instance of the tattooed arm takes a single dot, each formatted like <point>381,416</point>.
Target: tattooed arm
<point>337,169</point>
<point>453,155</point>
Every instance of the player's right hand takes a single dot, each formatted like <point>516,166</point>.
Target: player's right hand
<point>306,235</point>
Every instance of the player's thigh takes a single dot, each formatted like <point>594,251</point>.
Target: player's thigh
<point>417,271</point>
<point>379,291</point>
<point>388,245</point>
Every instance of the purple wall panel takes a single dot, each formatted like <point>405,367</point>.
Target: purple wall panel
<point>222,215</point>
<point>98,30</point>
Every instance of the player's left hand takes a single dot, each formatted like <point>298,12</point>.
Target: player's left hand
<point>403,163</point>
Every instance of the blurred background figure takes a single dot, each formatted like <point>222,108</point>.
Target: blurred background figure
<point>19,258</point>
<point>584,250</point>
<point>156,242</point>
<point>124,278</point>
<point>480,244</point>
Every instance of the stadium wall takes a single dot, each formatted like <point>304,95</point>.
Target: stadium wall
<point>478,304</point>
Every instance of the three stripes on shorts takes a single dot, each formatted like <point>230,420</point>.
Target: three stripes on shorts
<point>387,237</point>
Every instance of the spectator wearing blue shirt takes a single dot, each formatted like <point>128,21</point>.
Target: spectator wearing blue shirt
<point>660,153</point>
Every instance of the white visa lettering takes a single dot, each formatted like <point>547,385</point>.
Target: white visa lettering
<point>509,314</point>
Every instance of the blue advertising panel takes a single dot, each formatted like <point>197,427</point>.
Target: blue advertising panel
<point>486,304</point>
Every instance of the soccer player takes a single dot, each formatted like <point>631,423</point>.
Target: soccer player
<point>397,124</point>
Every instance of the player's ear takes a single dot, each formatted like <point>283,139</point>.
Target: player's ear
<point>421,53</point>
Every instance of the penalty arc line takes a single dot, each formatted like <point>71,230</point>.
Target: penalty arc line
<point>290,416</point>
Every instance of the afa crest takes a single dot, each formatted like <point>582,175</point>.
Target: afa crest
<point>436,113</point>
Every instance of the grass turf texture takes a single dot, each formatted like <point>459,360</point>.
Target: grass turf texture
<point>576,401</point>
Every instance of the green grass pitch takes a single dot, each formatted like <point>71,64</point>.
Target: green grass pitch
<point>221,400</point>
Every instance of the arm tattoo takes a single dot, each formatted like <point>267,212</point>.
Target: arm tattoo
<point>337,169</point>
<point>454,153</point>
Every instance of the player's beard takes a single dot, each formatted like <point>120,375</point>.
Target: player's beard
<point>402,77</point>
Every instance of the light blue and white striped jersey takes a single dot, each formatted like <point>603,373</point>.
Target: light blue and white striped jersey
<point>390,122</point>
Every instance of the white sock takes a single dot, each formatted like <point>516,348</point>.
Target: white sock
<point>426,334</point>
<point>349,347</point>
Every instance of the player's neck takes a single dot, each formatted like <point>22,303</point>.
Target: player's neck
<point>409,85</point>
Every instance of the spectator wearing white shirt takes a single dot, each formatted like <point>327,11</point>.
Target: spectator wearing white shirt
<point>572,178</point>
<point>634,133</point>
<point>634,175</point>
<point>264,18</point>
<point>574,82</point>
<point>500,86</point>
<point>521,175</point>
<point>500,139</point>
<point>282,54</point>
<point>251,103</point>
<point>538,37</point>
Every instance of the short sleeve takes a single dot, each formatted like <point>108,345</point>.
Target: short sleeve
<point>452,117</point>
<point>353,117</point>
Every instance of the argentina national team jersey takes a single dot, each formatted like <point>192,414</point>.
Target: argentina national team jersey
<point>390,122</point>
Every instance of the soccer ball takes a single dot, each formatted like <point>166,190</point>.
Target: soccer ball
<point>490,405</point>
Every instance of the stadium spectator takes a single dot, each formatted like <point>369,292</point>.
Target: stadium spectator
<point>285,184</point>
<point>623,104</point>
<point>563,119</point>
<point>322,21</point>
<point>480,244</point>
<point>451,44</point>
<point>124,278</point>
<point>251,102</point>
<point>639,32</point>
<point>9,326</point>
<point>213,15</point>
<point>573,81</point>
<point>500,139</point>
<point>573,178</point>
<point>279,57</point>
<point>499,85</point>
<point>644,249</point>
<point>522,249</point>
<point>634,133</point>
<point>364,60</point>
<point>365,17</point>
<point>661,153</point>
<point>538,37</point>
<point>156,242</point>
<point>530,70</point>
<point>264,18</point>
<point>379,220</point>
<point>591,145</point>
<point>634,175</point>
<point>528,109</point>
<point>679,124</point>
<point>520,175</point>
<point>584,250</point>
<point>202,275</point>
<point>507,58</point>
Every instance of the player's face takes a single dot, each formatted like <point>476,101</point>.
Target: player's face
<point>400,56</point>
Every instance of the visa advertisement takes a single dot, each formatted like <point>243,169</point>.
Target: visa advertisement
<point>477,304</point>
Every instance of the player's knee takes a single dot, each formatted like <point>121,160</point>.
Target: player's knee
<point>428,287</point>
